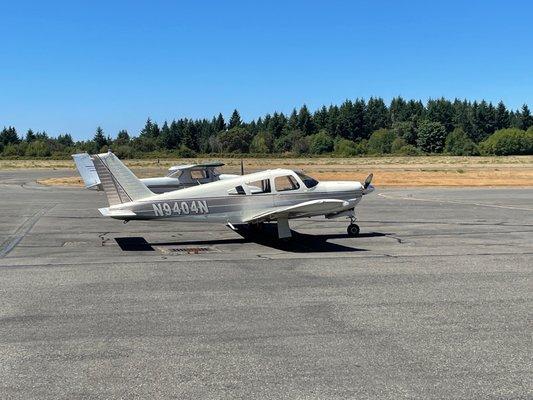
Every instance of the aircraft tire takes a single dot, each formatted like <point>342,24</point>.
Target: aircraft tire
<point>353,230</point>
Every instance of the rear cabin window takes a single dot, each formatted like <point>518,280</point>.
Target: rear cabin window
<point>237,190</point>
<point>284,183</point>
<point>258,187</point>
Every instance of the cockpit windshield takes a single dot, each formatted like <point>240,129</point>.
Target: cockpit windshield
<point>175,173</point>
<point>307,180</point>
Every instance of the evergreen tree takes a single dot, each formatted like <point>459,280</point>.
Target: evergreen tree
<point>9,136</point>
<point>252,128</point>
<point>515,119</point>
<point>292,124</point>
<point>30,136</point>
<point>235,120</point>
<point>41,136</point>
<point>415,110</point>
<point>377,114</point>
<point>219,123</point>
<point>305,121</point>
<point>276,124</point>
<point>399,111</point>
<point>320,117</point>
<point>167,138</point>
<point>99,139</point>
<point>501,118</point>
<point>462,116</point>
<point>147,130</point>
<point>65,140</point>
<point>190,135</point>
<point>526,120</point>
<point>150,130</point>
<point>345,122</point>
<point>123,137</point>
<point>483,121</point>
<point>347,126</point>
<point>440,110</point>
<point>358,116</point>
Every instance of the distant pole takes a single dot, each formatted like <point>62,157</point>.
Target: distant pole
<point>242,167</point>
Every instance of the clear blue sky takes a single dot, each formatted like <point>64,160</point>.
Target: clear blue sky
<point>68,66</point>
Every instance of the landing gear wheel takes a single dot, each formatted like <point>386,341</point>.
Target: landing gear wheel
<point>353,230</point>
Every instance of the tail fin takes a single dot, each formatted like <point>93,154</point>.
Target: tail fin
<point>86,169</point>
<point>119,183</point>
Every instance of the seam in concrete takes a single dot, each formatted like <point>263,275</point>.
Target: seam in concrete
<point>11,242</point>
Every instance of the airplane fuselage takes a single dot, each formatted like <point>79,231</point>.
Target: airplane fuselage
<point>222,202</point>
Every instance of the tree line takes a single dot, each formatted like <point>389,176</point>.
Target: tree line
<point>356,127</point>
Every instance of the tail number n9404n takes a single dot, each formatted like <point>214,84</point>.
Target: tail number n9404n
<point>180,208</point>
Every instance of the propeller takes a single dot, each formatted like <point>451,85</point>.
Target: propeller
<point>242,167</point>
<point>368,181</point>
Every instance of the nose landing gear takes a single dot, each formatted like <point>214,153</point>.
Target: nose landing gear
<point>353,228</point>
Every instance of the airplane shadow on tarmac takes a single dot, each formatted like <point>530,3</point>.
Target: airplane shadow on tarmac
<point>267,236</point>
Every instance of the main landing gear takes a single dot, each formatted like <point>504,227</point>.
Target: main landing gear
<point>353,228</point>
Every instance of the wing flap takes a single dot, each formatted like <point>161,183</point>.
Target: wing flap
<point>313,207</point>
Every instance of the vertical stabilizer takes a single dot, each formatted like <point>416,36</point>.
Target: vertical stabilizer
<point>118,182</point>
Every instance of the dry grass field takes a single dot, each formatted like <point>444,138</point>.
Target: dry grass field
<point>388,171</point>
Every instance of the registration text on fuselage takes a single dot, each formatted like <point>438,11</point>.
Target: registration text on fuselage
<point>167,209</point>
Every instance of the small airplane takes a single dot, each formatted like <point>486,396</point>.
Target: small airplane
<point>178,176</point>
<point>271,195</point>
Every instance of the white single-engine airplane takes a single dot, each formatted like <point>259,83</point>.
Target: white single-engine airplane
<point>271,195</point>
<point>178,176</point>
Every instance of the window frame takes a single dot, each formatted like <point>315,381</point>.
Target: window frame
<point>201,171</point>
<point>247,187</point>
<point>308,176</point>
<point>291,176</point>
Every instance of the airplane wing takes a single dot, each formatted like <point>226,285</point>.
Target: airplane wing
<point>87,170</point>
<point>175,168</point>
<point>307,208</point>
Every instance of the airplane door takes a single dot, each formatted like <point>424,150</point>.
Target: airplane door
<point>287,190</point>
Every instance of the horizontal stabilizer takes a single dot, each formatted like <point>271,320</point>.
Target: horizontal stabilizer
<point>87,171</point>
<point>119,214</point>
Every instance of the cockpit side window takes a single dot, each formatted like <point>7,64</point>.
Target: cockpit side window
<point>286,182</point>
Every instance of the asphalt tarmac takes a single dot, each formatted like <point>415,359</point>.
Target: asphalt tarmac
<point>432,301</point>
